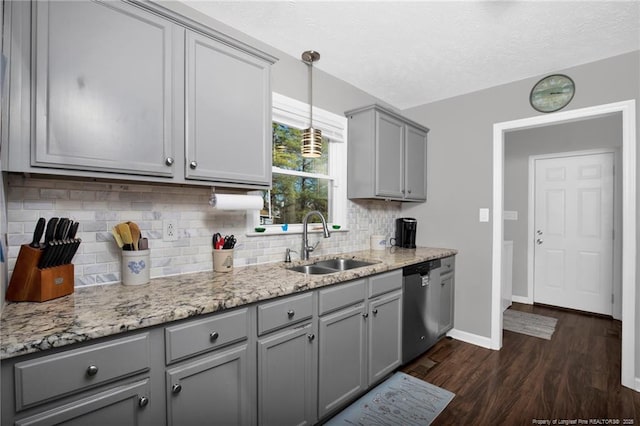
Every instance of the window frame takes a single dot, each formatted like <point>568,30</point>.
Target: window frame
<point>293,113</point>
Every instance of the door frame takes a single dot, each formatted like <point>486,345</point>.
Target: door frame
<point>629,159</point>
<point>616,308</point>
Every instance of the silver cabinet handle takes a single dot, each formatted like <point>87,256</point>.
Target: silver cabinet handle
<point>143,401</point>
<point>291,313</point>
<point>168,161</point>
<point>375,312</point>
<point>409,191</point>
<point>214,335</point>
<point>365,315</point>
<point>193,165</point>
<point>538,232</point>
<point>92,370</point>
<point>311,337</point>
<point>539,241</point>
<point>176,388</point>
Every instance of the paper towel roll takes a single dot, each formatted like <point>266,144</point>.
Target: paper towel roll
<point>236,202</point>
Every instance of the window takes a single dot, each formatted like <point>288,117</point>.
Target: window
<point>301,185</point>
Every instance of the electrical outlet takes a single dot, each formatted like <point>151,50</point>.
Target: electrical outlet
<point>169,230</point>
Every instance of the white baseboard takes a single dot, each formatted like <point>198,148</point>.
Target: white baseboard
<point>637,384</point>
<point>522,299</point>
<point>474,339</point>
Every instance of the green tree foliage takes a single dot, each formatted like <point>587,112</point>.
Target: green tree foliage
<point>294,196</point>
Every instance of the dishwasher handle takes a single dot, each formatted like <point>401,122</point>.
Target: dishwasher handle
<point>422,268</point>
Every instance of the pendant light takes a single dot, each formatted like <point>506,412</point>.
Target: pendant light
<point>311,138</point>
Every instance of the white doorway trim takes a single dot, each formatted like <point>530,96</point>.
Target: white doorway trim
<point>616,285</point>
<point>629,218</point>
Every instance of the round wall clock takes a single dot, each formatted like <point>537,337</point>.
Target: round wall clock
<point>552,93</point>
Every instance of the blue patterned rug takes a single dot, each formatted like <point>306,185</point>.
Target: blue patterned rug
<point>400,400</point>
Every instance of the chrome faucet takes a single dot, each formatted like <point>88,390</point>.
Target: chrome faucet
<point>306,248</point>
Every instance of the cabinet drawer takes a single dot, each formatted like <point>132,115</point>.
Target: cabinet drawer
<point>383,283</point>
<point>448,264</point>
<point>280,313</point>
<point>56,375</point>
<point>199,336</point>
<point>339,296</point>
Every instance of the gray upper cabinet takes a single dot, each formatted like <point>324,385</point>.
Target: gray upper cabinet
<point>415,160</point>
<point>387,156</point>
<point>132,90</point>
<point>103,88</point>
<point>228,114</point>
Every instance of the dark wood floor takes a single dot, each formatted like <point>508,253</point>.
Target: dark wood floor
<point>573,376</point>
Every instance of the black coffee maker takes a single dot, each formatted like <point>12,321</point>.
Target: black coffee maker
<point>406,232</point>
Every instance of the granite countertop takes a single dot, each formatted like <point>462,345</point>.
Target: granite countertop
<point>100,311</point>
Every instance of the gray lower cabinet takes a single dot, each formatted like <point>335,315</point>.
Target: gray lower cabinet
<point>120,406</point>
<point>447,288</point>
<point>342,358</point>
<point>385,335</point>
<point>387,156</point>
<point>212,389</point>
<point>228,111</point>
<point>359,344</point>
<point>287,377</point>
<point>104,87</point>
<point>105,383</point>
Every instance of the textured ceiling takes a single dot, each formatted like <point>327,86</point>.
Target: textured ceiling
<point>414,52</point>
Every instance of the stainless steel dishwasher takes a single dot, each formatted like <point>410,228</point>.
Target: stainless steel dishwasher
<point>420,317</point>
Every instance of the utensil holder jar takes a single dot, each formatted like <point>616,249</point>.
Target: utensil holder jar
<point>223,260</point>
<point>135,267</point>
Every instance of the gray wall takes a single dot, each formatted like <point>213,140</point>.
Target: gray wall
<point>461,171</point>
<point>603,132</point>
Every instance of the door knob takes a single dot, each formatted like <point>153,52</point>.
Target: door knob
<point>291,313</point>
<point>539,241</point>
<point>538,232</point>
<point>176,388</point>
<point>193,165</point>
<point>311,337</point>
<point>92,370</point>
<point>168,161</point>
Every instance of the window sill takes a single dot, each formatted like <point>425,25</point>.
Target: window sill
<point>277,231</point>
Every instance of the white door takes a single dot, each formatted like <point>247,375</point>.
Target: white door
<point>573,256</point>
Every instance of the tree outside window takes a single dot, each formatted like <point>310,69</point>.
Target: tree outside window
<point>299,185</point>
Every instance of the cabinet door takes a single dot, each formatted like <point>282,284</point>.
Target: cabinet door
<point>120,406</point>
<point>389,156</point>
<point>446,303</point>
<point>287,378</point>
<point>341,359</point>
<point>103,88</point>
<point>213,389</point>
<point>228,115</point>
<point>385,335</point>
<point>415,172</point>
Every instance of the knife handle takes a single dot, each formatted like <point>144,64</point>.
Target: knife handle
<point>51,230</point>
<point>73,229</point>
<point>37,233</point>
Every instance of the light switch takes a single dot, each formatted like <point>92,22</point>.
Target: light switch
<point>484,215</point>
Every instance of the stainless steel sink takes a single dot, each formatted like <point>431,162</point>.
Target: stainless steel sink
<point>312,269</point>
<point>342,264</point>
<point>330,266</point>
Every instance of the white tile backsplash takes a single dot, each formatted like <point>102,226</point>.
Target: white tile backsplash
<point>98,206</point>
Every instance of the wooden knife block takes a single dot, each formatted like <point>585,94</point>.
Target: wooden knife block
<point>29,283</point>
